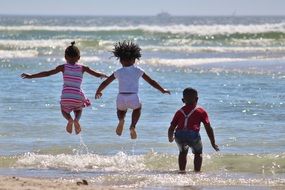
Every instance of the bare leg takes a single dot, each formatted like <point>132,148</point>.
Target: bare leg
<point>77,114</point>
<point>135,118</point>
<point>77,126</point>
<point>68,117</point>
<point>182,160</point>
<point>121,116</point>
<point>197,162</point>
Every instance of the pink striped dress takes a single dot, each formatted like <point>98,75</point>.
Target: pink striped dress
<point>72,96</point>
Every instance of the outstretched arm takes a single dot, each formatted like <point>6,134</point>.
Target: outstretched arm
<point>154,84</point>
<point>94,73</point>
<point>58,69</point>
<point>211,136</point>
<point>103,85</point>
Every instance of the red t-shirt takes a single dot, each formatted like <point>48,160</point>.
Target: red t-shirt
<point>194,121</point>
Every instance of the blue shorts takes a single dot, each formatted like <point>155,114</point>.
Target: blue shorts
<point>186,138</point>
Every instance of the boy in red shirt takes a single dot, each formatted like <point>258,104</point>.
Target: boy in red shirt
<point>186,124</point>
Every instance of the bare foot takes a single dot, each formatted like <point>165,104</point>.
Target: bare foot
<point>120,127</point>
<point>69,126</point>
<point>133,133</point>
<point>77,127</point>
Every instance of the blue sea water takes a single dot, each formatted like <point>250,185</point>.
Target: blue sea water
<point>236,64</point>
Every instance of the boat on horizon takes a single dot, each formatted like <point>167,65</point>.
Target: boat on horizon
<point>163,14</point>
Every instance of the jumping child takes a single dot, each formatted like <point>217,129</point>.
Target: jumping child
<point>128,77</point>
<point>72,97</point>
<point>186,124</point>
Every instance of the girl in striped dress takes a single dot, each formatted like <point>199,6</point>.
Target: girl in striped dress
<point>72,97</point>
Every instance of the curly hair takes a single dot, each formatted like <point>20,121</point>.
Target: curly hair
<point>126,50</point>
<point>72,51</point>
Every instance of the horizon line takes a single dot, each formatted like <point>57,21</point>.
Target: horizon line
<point>147,15</point>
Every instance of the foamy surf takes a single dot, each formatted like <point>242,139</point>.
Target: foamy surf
<point>259,163</point>
<point>9,54</point>
<point>156,169</point>
<point>191,62</point>
<point>196,29</point>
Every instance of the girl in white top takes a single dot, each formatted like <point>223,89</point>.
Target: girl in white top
<point>128,77</point>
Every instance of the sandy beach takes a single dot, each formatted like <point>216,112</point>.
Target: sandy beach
<point>25,183</point>
<point>22,183</point>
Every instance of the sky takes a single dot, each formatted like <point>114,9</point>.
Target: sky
<point>143,7</point>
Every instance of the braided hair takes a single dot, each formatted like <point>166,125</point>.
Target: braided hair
<point>126,50</point>
<point>72,51</point>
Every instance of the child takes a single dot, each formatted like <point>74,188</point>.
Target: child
<point>186,124</point>
<point>72,97</point>
<point>128,77</point>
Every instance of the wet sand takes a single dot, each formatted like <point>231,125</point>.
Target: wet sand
<point>22,183</point>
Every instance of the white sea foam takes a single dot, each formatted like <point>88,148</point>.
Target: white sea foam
<point>21,49</point>
<point>187,180</point>
<point>249,42</point>
<point>151,161</point>
<point>4,54</point>
<point>89,58</point>
<point>218,49</point>
<point>190,62</point>
<point>23,44</point>
<point>82,162</point>
<point>153,169</point>
<point>53,44</point>
<point>175,29</point>
<point>247,46</point>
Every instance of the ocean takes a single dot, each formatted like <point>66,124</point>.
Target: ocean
<point>235,63</point>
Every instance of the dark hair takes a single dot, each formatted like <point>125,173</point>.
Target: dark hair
<point>126,50</point>
<point>190,95</point>
<point>72,51</point>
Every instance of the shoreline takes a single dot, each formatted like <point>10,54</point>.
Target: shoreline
<point>38,183</point>
<point>41,183</point>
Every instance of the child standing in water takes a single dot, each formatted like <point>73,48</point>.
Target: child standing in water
<point>72,97</point>
<point>128,77</point>
<point>186,124</point>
